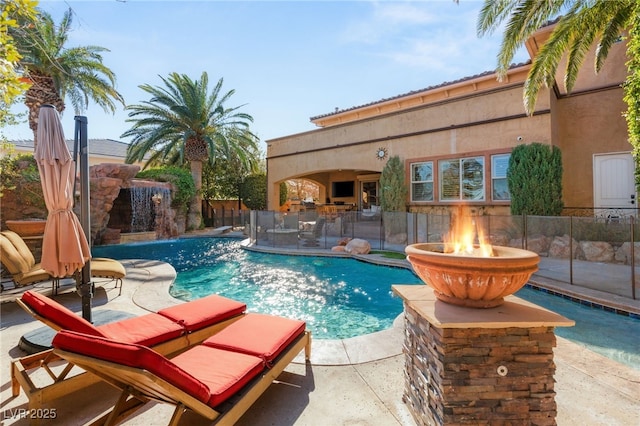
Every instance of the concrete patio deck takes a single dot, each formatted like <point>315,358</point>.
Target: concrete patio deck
<point>349,382</point>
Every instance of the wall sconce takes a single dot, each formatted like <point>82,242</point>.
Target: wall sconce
<point>157,198</point>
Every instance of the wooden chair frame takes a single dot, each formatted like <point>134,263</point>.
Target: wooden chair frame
<point>139,386</point>
<point>61,384</point>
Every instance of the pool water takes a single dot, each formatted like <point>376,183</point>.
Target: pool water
<point>337,297</point>
<point>607,333</point>
<point>340,298</point>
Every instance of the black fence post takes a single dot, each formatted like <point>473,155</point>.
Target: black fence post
<point>632,250</point>
<point>571,250</point>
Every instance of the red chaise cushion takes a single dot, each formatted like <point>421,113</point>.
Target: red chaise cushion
<point>265,336</point>
<point>132,355</point>
<point>201,313</point>
<point>146,330</point>
<point>56,313</point>
<point>223,372</point>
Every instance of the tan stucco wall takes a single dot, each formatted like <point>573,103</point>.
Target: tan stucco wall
<point>589,124</point>
<point>472,124</point>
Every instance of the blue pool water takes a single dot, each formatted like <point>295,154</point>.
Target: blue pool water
<point>337,297</point>
<point>341,297</point>
<point>607,333</point>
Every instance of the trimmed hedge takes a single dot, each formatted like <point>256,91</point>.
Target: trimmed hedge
<point>535,180</point>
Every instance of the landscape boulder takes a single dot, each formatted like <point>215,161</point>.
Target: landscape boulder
<point>596,251</point>
<point>562,247</point>
<point>358,246</point>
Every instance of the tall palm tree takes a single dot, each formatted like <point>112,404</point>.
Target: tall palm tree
<point>183,122</point>
<point>582,23</point>
<point>57,72</point>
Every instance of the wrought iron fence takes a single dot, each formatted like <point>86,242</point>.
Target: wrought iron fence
<point>594,251</point>
<point>217,217</point>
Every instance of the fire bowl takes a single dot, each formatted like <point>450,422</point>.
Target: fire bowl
<point>472,281</point>
<point>27,227</point>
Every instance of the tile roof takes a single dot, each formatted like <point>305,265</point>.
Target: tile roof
<point>97,147</point>
<point>413,92</point>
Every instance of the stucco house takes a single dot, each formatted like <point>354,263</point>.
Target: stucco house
<point>466,129</point>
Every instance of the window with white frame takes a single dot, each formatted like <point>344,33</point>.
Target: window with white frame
<point>462,179</point>
<point>422,181</point>
<point>499,186</point>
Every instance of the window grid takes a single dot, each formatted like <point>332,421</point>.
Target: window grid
<point>462,179</point>
<point>499,185</point>
<point>422,181</point>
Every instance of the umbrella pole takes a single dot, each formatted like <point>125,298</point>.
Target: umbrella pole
<point>85,288</point>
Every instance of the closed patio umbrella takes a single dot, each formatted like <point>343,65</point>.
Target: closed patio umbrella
<point>64,246</point>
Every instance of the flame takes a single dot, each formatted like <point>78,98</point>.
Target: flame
<point>462,236</point>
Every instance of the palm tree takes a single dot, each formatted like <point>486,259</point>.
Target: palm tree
<point>57,72</point>
<point>11,84</point>
<point>183,122</point>
<point>582,24</point>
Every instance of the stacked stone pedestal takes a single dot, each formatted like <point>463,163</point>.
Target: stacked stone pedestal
<point>466,366</point>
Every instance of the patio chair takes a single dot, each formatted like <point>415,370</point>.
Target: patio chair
<point>219,379</point>
<point>371,214</point>
<point>20,263</point>
<point>311,238</point>
<point>330,212</point>
<point>168,331</point>
<point>24,270</point>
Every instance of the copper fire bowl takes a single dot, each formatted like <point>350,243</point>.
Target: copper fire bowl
<point>472,281</point>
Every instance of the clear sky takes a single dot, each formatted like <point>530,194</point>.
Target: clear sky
<point>286,60</point>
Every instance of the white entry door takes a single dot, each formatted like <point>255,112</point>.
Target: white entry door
<point>614,184</point>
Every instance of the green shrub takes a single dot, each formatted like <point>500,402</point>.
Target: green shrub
<point>254,192</point>
<point>180,178</point>
<point>19,177</point>
<point>284,193</point>
<point>393,191</point>
<point>534,177</point>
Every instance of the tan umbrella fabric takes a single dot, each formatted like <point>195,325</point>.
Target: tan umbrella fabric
<point>64,245</point>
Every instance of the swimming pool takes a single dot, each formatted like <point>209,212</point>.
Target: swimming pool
<point>607,333</point>
<point>337,297</point>
<point>319,290</point>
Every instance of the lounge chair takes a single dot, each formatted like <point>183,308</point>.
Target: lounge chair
<point>19,261</point>
<point>24,270</point>
<point>168,331</point>
<point>219,379</point>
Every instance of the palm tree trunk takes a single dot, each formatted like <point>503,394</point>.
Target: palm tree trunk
<point>41,92</point>
<point>194,217</point>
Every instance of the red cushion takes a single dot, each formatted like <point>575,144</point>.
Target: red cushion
<point>146,330</point>
<point>56,313</point>
<point>131,355</point>
<point>265,336</point>
<point>223,372</point>
<point>203,312</point>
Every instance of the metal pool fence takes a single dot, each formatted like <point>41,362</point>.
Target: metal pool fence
<point>601,253</point>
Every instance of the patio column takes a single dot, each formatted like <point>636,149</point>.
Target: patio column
<point>467,366</point>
